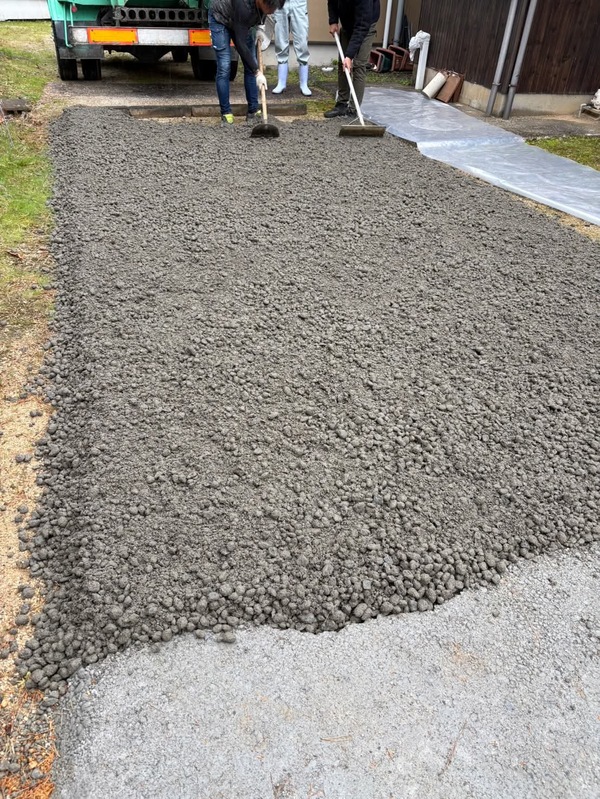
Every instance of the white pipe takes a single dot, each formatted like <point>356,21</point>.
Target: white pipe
<point>420,41</point>
<point>510,23</point>
<point>434,85</point>
<point>399,21</point>
<point>512,89</point>
<point>388,19</point>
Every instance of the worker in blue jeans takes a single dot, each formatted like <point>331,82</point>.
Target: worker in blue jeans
<point>233,20</point>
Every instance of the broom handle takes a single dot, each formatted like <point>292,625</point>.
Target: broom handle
<point>263,94</point>
<point>349,79</point>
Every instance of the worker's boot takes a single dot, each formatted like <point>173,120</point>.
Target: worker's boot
<point>303,75</point>
<point>339,110</point>
<point>282,73</point>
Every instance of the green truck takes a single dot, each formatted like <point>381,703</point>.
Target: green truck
<point>84,30</point>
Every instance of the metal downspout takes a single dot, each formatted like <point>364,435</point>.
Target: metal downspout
<point>510,23</point>
<point>388,19</point>
<point>512,88</point>
<point>399,21</point>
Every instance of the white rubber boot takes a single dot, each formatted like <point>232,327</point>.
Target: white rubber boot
<point>303,75</point>
<point>282,73</point>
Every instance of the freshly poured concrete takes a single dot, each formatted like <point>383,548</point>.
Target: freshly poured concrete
<point>292,395</point>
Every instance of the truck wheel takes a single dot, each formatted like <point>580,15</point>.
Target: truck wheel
<point>180,55</point>
<point>91,68</point>
<point>202,68</point>
<point>67,68</point>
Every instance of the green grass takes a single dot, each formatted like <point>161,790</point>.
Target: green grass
<point>24,190</point>
<point>24,182</point>
<point>584,150</point>
<point>26,64</point>
<point>27,60</point>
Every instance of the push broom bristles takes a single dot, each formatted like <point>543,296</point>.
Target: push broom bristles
<point>362,128</point>
<point>368,129</point>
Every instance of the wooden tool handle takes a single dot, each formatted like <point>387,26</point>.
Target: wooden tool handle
<point>263,94</point>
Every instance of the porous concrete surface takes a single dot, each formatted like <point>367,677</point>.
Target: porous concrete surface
<point>495,694</point>
<point>300,382</point>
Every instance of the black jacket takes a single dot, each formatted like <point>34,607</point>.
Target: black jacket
<point>239,16</point>
<point>356,17</point>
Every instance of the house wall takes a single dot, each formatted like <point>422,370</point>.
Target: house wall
<point>465,35</point>
<point>562,56</point>
<point>563,53</point>
<point>319,21</point>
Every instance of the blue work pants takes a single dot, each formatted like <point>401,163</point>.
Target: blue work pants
<point>221,37</point>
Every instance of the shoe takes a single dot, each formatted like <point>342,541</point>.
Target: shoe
<point>303,79</point>
<point>282,73</point>
<point>254,118</point>
<point>340,110</point>
<point>226,120</point>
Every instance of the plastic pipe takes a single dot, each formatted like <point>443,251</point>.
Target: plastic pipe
<point>423,45</point>
<point>399,21</point>
<point>510,23</point>
<point>435,85</point>
<point>388,19</point>
<point>512,89</point>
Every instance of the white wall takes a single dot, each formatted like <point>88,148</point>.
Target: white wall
<point>23,9</point>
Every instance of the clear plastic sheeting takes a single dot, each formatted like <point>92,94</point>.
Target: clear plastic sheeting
<point>446,134</point>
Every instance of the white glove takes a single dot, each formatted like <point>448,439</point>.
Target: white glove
<point>261,81</point>
<point>261,37</point>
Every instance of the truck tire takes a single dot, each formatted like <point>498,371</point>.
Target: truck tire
<point>67,68</point>
<point>206,70</point>
<point>91,68</point>
<point>180,55</point>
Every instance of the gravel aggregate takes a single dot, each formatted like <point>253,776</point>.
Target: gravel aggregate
<point>300,383</point>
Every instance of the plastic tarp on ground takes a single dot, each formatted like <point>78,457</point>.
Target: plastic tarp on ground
<point>446,134</point>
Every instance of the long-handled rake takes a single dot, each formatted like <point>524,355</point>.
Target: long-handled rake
<point>352,129</point>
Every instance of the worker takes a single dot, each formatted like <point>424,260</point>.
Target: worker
<point>233,20</point>
<point>293,18</point>
<point>355,21</point>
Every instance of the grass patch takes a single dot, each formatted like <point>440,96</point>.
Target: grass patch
<point>583,149</point>
<point>24,189</point>
<point>328,80</point>
<point>26,64</point>
<point>24,181</point>
<point>27,60</point>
